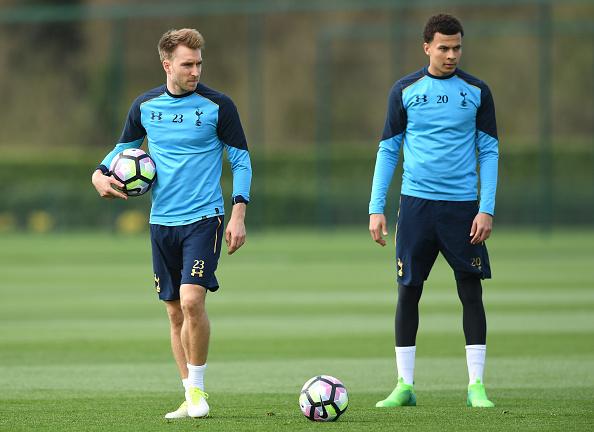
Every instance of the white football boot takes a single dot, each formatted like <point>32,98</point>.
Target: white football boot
<point>197,405</point>
<point>181,412</point>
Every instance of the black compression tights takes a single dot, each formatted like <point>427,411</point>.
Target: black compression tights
<point>407,314</point>
<point>474,322</point>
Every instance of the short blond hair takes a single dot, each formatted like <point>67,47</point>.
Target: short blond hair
<point>171,39</point>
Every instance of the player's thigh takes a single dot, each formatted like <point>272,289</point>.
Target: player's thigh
<point>201,251</point>
<point>416,245</point>
<point>167,261</point>
<point>453,232</point>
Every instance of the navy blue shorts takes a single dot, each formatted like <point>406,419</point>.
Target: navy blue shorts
<point>186,254</point>
<point>427,227</point>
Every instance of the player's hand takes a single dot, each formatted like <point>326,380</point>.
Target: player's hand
<point>377,228</point>
<point>106,186</point>
<point>235,231</point>
<point>481,228</point>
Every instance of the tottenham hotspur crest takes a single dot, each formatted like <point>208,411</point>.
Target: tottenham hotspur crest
<point>198,114</point>
<point>157,286</point>
<point>463,94</point>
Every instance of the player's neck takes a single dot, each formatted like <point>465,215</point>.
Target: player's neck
<point>175,90</point>
<point>436,73</point>
<point>177,93</point>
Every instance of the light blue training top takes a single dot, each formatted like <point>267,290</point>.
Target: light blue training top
<point>186,137</point>
<point>447,125</point>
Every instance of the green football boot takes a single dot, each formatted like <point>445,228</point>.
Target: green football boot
<point>477,396</point>
<point>402,395</point>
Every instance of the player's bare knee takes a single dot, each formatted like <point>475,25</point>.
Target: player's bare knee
<point>174,313</point>
<point>192,306</point>
<point>176,317</point>
<point>192,301</point>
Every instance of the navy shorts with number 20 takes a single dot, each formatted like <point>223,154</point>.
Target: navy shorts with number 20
<point>186,254</point>
<point>427,227</point>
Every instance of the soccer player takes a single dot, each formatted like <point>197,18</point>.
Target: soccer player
<point>187,126</point>
<point>444,119</point>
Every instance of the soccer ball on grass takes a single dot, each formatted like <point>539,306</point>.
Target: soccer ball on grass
<point>323,398</point>
<point>135,169</point>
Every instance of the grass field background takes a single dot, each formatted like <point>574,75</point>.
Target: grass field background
<point>84,342</point>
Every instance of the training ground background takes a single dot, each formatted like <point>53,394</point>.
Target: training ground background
<point>84,342</point>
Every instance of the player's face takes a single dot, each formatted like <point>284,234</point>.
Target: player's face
<point>444,53</point>
<point>183,69</point>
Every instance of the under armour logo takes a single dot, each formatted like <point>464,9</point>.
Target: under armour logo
<point>156,115</point>
<point>421,98</point>
<point>198,114</point>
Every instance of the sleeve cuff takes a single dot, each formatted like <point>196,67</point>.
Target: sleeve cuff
<point>239,199</point>
<point>103,169</point>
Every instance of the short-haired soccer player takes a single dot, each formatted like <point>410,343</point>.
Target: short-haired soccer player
<point>187,126</point>
<point>444,119</point>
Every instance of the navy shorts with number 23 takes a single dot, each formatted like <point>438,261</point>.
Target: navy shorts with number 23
<point>186,254</point>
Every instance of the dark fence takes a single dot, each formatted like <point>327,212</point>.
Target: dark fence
<point>311,81</point>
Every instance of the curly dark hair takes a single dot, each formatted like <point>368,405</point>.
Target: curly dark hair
<point>444,24</point>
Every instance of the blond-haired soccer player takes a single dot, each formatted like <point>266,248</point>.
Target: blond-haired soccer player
<point>187,126</point>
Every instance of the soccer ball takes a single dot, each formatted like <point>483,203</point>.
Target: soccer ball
<point>136,169</point>
<point>323,398</point>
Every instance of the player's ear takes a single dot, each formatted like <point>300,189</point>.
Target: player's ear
<point>426,48</point>
<point>167,65</point>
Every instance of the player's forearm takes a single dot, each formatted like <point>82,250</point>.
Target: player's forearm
<point>488,157</point>
<point>385,164</point>
<point>241,169</point>
<point>238,212</point>
<point>488,189</point>
<point>242,181</point>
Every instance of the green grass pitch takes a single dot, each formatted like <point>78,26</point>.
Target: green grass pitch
<point>84,341</point>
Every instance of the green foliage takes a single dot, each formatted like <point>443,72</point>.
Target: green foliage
<point>84,340</point>
<point>327,186</point>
